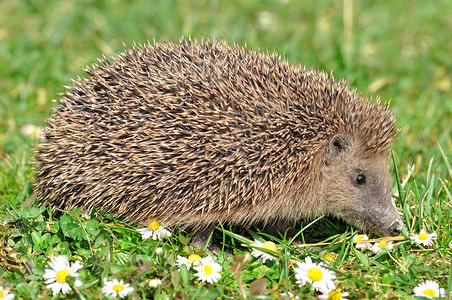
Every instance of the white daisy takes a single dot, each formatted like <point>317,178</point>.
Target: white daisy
<point>5,295</point>
<point>86,214</point>
<point>424,238</point>
<point>60,270</point>
<point>320,278</point>
<point>269,245</point>
<point>382,245</point>
<point>193,260</point>
<point>361,238</point>
<point>153,283</point>
<point>208,271</point>
<point>291,296</point>
<point>154,230</point>
<point>33,131</point>
<point>429,289</point>
<point>159,251</point>
<point>116,288</point>
<point>333,295</point>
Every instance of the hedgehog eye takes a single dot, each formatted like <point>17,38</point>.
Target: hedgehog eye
<point>360,179</point>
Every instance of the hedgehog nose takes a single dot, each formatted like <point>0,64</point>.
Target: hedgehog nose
<point>395,228</point>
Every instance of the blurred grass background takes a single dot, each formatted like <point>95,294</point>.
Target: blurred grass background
<point>395,49</point>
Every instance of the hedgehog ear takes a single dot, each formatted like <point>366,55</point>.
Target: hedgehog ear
<point>338,143</point>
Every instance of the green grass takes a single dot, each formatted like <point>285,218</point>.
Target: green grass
<point>393,49</point>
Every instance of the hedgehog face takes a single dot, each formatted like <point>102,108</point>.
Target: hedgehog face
<point>358,189</point>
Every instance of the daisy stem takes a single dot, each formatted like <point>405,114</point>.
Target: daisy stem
<point>78,292</point>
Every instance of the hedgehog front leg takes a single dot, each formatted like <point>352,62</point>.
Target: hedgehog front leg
<point>280,227</point>
<point>202,239</point>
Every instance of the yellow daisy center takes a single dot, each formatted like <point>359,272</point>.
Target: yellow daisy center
<point>208,270</point>
<point>269,245</point>
<point>118,287</point>
<point>193,258</point>
<point>61,275</point>
<point>382,244</point>
<point>315,274</point>
<point>335,295</point>
<point>153,225</point>
<point>423,236</point>
<point>430,292</point>
<point>359,238</point>
<point>329,257</point>
<point>2,293</point>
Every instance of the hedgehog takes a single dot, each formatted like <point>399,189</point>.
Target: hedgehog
<point>196,133</point>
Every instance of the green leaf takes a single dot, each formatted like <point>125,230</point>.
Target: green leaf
<point>183,239</point>
<point>210,293</point>
<point>70,228</point>
<point>184,274</point>
<point>409,259</point>
<point>404,279</point>
<point>362,258</point>
<point>260,271</point>
<point>38,271</point>
<point>102,238</point>
<point>49,251</point>
<point>63,247</point>
<point>74,231</point>
<point>54,239</point>
<point>30,212</point>
<point>45,240</point>
<point>33,277</point>
<point>65,220</point>
<point>175,278</point>
<point>91,228</point>
<point>387,279</point>
<point>55,227</point>
<point>24,290</point>
<point>36,238</point>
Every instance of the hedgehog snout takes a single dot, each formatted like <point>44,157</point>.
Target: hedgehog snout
<point>395,228</point>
